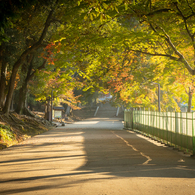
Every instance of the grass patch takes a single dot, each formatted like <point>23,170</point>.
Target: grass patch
<point>6,135</point>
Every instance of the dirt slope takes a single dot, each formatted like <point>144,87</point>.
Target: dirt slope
<point>15,128</point>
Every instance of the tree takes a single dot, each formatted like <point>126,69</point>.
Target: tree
<point>31,70</point>
<point>22,58</point>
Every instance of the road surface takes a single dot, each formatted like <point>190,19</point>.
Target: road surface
<point>95,157</point>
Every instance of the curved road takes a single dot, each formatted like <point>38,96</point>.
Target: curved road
<point>95,157</point>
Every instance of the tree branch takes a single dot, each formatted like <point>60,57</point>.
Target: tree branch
<point>38,43</point>
<point>190,7</point>
<point>185,23</point>
<point>47,24</point>
<point>158,11</point>
<point>157,54</point>
<point>39,68</point>
<point>181,57</point>
<point>30,67</point>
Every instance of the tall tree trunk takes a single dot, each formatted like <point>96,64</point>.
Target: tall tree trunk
<point>23,90</point>
<point>21,107</point>
<point>2,85</point>
<point>22,97</point>
<point>190,99</point>
<point>10,90</point>
<point>3,67</point>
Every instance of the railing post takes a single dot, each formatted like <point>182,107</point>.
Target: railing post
<point>193,144</point>
<point>144,120</point>
<point>153,118</point>
<point>181,130</point>
<point>159,137</point>
<point>132,116</point>
<point>149,121</point>
<point>187,129</point>
<point>167,127</point>
<point>138,112</point>
<point>171,126</point>
<point>124,118</point>
<point>176,129</point>
<point>163,132</point>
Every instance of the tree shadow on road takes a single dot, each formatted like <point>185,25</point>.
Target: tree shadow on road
<point>125,154</point>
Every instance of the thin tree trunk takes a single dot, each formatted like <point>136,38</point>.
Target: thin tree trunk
<point>45,110</point>
<point>3,67</point>
<point>10,91</point>
<point>2,84</point>
<point>23,90</point>
<point>22,97</point>
<point>190,100</point>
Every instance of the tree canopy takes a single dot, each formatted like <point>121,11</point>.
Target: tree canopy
<point>120,46</point>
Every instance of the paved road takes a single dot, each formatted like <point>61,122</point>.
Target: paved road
<point>95,157</point>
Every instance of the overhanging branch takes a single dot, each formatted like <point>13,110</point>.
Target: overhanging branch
<point>157,54</point>
<point>181,59</point>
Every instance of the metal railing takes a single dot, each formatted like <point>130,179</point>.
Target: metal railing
<point>173,128</point>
